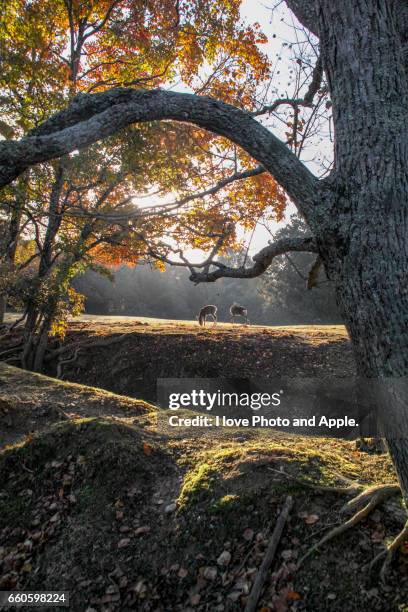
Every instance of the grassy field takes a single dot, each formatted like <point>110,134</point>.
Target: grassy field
<point>118,319</point>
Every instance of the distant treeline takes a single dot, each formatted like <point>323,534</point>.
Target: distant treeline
<point>279,297</point>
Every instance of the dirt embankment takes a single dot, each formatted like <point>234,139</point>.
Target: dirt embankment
<point>139,352</point>
<point>95,501</point>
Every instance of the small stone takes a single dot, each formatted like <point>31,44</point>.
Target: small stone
<point>209,573</point>
<point>170,508</point>
<point>248,534</point>
<point>224,558</point>
<point>142,530</point>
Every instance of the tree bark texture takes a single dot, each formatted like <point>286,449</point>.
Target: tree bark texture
<point>364,242</point>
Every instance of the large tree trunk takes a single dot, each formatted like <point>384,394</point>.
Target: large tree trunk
<point>366,250</point>
<point>377,318</point>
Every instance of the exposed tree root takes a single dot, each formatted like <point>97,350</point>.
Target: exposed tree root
<point>369,499</point>
<point>351,489</point>
<point>89,344</point>
<point>63,362</point>
<point>362,505</point>
<point>13,360</point>
<point>12,349</point>
<point>389,552</point>
<point>378,492</point>
<point>371,445</point>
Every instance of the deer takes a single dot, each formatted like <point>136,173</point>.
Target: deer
<point>238,311</point>
<point>207,311</point>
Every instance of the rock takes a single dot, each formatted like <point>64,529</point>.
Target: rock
<point>142,530</point>
<point>234,595</point>
<point>224,558</point>
<point>209,573</point>
<point>195,599</point>
<point>170,508</point>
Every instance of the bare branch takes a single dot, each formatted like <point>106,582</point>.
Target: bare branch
<point>270,108</point>
<point>262,260</point>
<point>315,83</point>
<point>170,206</point>
<point>296,103</point>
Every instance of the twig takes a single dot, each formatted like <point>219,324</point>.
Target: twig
<point>349,490</point>
<point>26,468</point>
<point>269,556</point>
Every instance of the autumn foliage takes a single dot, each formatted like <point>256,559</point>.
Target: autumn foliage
<point>148,193</point>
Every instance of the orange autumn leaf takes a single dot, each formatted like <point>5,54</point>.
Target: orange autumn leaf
<point>147,448</point>
<point>293,595</point>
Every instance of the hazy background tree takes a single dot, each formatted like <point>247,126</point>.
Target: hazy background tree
<point>279,297</point>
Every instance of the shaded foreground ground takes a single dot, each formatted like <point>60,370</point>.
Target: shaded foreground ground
<point>93,500</point>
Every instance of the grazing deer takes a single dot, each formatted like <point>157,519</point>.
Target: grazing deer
<point>238,311</point>
<point>207,311</point>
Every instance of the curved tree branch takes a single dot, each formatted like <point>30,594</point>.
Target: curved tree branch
<point>262,260</point>
<point>92,117</point>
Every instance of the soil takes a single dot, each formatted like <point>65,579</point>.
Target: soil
<point>95,501</point>
<point>152,349</point>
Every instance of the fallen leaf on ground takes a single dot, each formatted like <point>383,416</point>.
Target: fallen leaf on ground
<point>311,519</point>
